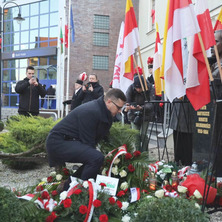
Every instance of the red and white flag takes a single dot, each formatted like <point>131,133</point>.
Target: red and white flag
<point>198,89</point>
<point>118,81</point>
<point>130,44</point>
<point>182,23</point>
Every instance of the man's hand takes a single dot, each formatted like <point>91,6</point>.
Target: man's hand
<point>33,81</point>
<point>90,88</point>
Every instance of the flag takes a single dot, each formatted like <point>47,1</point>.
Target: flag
<point>130,44</point>
<point>117,78</point>
<point>61,40</point>
<point>72,29</point>
<point>157,64</point>
<point>218,24</point>
<point>198,89</point>
<point>182,23</point>
<point>66,34</point>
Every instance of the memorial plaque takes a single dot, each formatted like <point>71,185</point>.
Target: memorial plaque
<point>207,140</point>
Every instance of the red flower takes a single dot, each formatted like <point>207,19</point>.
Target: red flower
<point>161,105</point>
<point>45,195</point>
<point>51,217</point>
<point>128,156</point>
<point>83,209</point>
<point>112,200</point>
<point>126,190</point>
<point>39,188</point>
<point>145,191</point>
<point>66,171</point>
<point>67,203</point>
<point>137,153</point>
<point>50,179</point>
<point>102,184</point>
<point>103,218</point>
<point>131,168</point>
<point>77,191</point>
<point>54,192</point>
<point>97,203</point>
<point>119,203</point>
<point>120,193</point>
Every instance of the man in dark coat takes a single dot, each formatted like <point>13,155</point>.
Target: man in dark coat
<point>74,138</point>
<point>76,98</point>
<point>29,90</point>
<point>92,90</point>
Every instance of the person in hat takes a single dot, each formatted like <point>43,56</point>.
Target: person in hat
<point>77,98</point>
<point>139,112</point>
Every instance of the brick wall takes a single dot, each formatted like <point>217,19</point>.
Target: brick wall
<point>82,50</point>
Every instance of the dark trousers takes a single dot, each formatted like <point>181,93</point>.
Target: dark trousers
<point>24,113</point>
<point>182,147</point>
<point>60,151</point>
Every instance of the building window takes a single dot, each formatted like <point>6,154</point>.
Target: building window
<point>100,62</point>
<point>101,22</point>
<point>100,39</point>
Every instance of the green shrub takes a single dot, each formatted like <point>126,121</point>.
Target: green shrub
<point>168,210</point>
<point>24,133</point>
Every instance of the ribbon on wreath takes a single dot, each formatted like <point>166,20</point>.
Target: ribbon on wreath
<point>121,150</point>
<point>171,193</point>
<point>92,197</point>
<point>153,167</point>
<point>182,172</point>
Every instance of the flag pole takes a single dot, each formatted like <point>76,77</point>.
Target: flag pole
<point>218,61</point>
<point>205,56</point>
<point>146,87</point>
<point>68,59</point>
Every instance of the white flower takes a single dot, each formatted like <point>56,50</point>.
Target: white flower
<point>53,174</point>
<point>85,184</point>
<point>91,180</point>
<point>182,189</point>
<point>197,194</point>
<point>162,176</point>
<point>58,177</point>
<point>124,186</point>
<point>104,171</point>
<point>161,162</point>
<point>115,170</point>
<point>116,161</point>
<point>63,195</point>
<point>159,193</point>
<point>126,218</point>
<point>44,179</point>
<point>123,173</point>
<point>124,205</point>
<point>197,205</point>
<point>149,196</point>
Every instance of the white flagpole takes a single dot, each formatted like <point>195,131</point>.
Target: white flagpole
<point>68,62</point>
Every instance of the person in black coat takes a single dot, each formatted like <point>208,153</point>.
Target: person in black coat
<point>76,98</point>
<point>74,138</point>
<point>29,90</point>
<point>92,90</point>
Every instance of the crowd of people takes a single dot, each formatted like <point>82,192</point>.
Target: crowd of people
<point>74,138</point>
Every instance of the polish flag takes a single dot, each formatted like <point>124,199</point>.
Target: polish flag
<point>157,64</point>
<point>130,44</point>
<point>218,24</point>
<point>182,23</point>
<point>198,89</point>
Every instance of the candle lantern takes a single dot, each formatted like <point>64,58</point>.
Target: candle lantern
<point>152,182</point>
<point>175,180</point>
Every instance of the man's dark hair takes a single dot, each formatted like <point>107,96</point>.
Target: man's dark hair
<point>30,67</point>
<point>115,94</point>
<point>94,75</point>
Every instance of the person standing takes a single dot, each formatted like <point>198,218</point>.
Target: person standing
<point>92,90</point>
<point>43,98</point>
<point>74,138</point>
<point>29,90</point>
<point>76,99</point>
<point>50,95</point>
